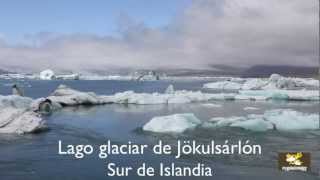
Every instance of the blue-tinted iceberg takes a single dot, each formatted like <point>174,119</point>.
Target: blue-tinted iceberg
<point>279,119</point>
<point>176,123</point>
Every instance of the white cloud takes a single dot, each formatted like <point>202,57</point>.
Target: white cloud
<point>230,32</point>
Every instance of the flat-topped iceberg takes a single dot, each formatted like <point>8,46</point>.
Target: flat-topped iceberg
<point>68,77</point>
<point>297,95</point>
<point>279,119</point>
<point>223,85</point>
<point>248,108</point>
<point>176,123</point>
<point>274,82</point>
<point>66,96</point>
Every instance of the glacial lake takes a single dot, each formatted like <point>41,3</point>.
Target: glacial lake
<point>35,156</point>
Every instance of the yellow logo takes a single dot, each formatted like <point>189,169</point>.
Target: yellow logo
<point>294,159</point>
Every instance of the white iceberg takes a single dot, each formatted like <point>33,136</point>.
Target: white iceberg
<point>279,119</point>
<point>276,81</point>
<point>254,84</point>
<point>177,123</point>
<point>66,96</point>
<point>15,101</point>
<point>297,95</point>
<point>250,108</point>
<point>20,121</point>
<point>47,75</point>
<point>223,85</point>
<point>211,105</point>
<point>68,77</point>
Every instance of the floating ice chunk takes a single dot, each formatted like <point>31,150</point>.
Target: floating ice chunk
<point>254,84</point>
<point>170,89</point>
<point>237,79</point>
<point>280,119</point>
<point>307,82</point>
<point>178,100</point>
<point>276,81</point>
<point>15,101</point>
<point>47,75</point>
<point>302,95</point>
<point>211,105</point>
<point>253,124</point>
<point>176,123</point>
<point>292,120</point>
<point>68,77</point>
<point>250,108</point>
<point>221,96</point>
<point>251,97</point>
<point>66,96</point>
<point>222,121</point>
<point>14,120</point>
<point>223,85</point>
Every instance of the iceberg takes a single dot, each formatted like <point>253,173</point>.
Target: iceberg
<point>279,119</point>
<point>68,77</point>
<point>20,121</point>
<point>16,115</point>
<point>223,85</point>
<point>66,96</point>
<point>47,75</point>
<point>297,95</point>
<point>254,84</point>
<point>176,123</point>
<point>250,108</point>
<point>276,81</point>
<point>211,105</point>
<point>15,101</point>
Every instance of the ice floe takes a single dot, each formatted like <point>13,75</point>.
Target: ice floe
<point>250,108</point>
<point>223,85</point>
<point>16,115</point>
<point>176,123</point>
<point>20,121</point>
<point>274,82</point>
<point>66,96</point>
<point>279,119</point>
<point>211,105</point>
<point>15,101</point>
<point>297,95</point>
<point>68,77</point>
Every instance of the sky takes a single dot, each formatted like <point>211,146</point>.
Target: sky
<point>104,34</point>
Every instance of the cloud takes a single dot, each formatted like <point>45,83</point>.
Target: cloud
<point>230,32</point>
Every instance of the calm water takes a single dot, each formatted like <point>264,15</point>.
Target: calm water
<point>35,156</point>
